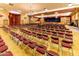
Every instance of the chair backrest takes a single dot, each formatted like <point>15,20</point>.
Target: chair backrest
<point>54,38</point>
<point>68,31</point>
<point>68,40</point>
<point>7,53</point>
<point>61,33</point>
<point>2,43</point>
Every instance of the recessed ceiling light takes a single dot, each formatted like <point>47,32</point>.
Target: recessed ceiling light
<point>70,4</point>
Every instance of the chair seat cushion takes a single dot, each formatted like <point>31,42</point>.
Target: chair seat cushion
<point>69,37</point>
<point>68,34</point>
<point>52,53</point>
<point>45,38</point>
<point>32,45</point>
<point>55,41</point>
<point>2,43</point>
<point>25,42</point>
<point>3,48</point>
<point>67,45</point>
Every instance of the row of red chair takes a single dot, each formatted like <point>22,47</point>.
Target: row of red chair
<point>33,45</point>
<point>45,37</point>
<point>68,37</point>
<point>40,36</point>
<point>4,49</point>
<point>64,43</point>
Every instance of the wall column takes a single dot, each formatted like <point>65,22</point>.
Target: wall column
<point>29,19</point>
<point>42,19</point>
<point>76,19</point>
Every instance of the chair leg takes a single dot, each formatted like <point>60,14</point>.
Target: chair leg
<point>61,52</point>
<point>71,52</point>
<point>34,51</point>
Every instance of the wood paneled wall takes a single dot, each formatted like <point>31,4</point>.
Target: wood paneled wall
<point>14,19</point>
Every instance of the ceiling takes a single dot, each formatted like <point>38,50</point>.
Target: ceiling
<point>30,7</point>
<point>27,7</point>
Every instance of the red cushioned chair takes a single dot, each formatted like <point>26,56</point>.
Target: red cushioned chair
<point>45,37</point>
<point>54,33</point>
<point>66,46</point>
<point>1,40</point>
<point>26,42</point>
<point>2,43</point>
<point>15,37</point>
<point>49,32</point>
<point>34,34</point>
<point>23,31</point>
<point>27,45</point>
<point>61,34</point>
<point>57,30</point>
<point>7,53</point>
<point>67,31</point>
<point>40,50</point>
<point>42,39</point>
<point>20,41</point>
<point>62,31</point>
<point>68,36</point>
<point>31,48</point>
<point>3,48</point>
<point>26,33</point>
<point>55,43</point>
<point>39,36</point>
